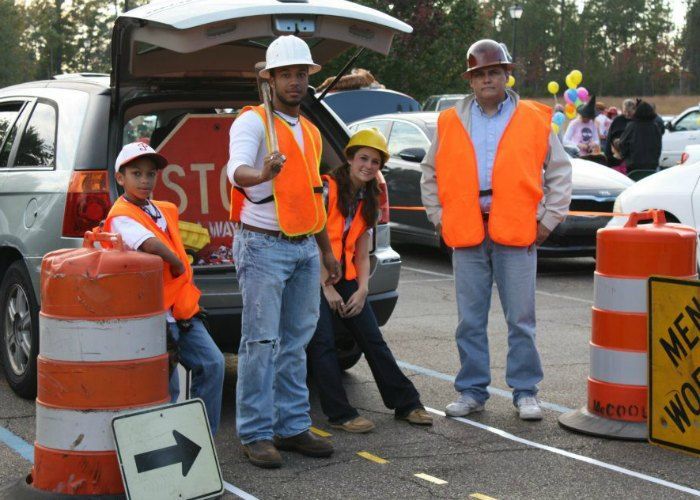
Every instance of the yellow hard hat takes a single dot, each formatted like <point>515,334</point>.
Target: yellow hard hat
<point>371,138</point>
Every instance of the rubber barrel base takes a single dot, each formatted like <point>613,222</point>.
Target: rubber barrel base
<point>584,422</point>
<point>22,490</point>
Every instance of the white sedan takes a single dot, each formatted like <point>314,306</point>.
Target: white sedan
<point>675,190</point>
<point>682,131</point>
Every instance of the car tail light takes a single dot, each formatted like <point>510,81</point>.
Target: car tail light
<point>383,200</point>
<point>87,202</point>
<point>684,158</point>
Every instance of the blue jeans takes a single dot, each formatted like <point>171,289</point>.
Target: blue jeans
<point>397,391</point>
<point>514,269</point>
<point>199,354</point>
<point>279,281</point>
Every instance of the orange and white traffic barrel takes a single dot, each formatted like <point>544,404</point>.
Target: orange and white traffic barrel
<point>625,258</point>
<point>102,353</point>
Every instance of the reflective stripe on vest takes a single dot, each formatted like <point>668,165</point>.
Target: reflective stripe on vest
<point>336,230</point>
<point>516,181</point>
<point>296,190</point>
<point>179,293</point>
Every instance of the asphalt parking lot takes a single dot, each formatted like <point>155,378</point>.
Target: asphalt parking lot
<point>492,454</point>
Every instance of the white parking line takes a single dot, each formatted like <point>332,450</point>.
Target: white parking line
<point>239,492</point>
<point>449,276</point>
<point>568,454</point>
<point>432,273</point>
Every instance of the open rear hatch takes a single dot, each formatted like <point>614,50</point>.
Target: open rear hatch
<point>178,43</point>
<point>201,46</point>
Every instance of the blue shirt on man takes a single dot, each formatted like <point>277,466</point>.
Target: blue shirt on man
<point>485,132</point>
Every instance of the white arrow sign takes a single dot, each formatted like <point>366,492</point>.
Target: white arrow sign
<point>167,452</point>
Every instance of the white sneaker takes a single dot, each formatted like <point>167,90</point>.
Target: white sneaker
<point>529,408</point>
<point>464,405</point>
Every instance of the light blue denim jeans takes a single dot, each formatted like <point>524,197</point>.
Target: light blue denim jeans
<point>514,270</point>
<point>279,281</point>
<point>199,354</point>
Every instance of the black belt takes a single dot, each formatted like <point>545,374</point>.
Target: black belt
<point>485,192</point>
<point>275,234</point>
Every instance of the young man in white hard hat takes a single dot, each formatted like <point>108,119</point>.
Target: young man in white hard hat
<point>277,260</point>
<point>496,182</point>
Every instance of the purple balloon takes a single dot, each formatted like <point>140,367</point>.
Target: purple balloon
<point>570,96</point>
<point>582,93</point>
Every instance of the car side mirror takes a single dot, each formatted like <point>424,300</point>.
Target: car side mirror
<point>412,154</point>
<point>669,126</point>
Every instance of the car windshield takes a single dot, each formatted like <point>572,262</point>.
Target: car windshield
<point>447,103</point>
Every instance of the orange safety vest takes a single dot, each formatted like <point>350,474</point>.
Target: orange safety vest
<point>342,243</point>
<point>297,190</point>
<point>516,181</point>
<point>179,293</point>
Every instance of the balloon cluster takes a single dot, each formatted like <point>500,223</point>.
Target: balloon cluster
<point>574,96</point>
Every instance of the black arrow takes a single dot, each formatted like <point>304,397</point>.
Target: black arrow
<point>184,451</point>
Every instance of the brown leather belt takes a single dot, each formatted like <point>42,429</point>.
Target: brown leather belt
<point>275,234</point>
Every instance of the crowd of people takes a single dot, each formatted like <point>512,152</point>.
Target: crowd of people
<point>626,140</point>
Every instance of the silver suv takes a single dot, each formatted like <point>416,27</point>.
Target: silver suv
<point>171,61</point>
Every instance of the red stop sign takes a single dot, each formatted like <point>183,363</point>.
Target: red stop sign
<point>195,181</point>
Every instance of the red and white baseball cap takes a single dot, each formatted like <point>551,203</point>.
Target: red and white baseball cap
<point>136,150</point>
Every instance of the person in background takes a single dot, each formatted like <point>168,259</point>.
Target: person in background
<point>353,206</point>
<point>582,132</point>
<point>602,122</point>
<point>618,126</point>
<point>658,120</point>
<point>640,143</point>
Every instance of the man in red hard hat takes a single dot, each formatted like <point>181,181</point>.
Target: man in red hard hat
<point>496,182</point>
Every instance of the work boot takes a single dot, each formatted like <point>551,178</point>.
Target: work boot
<point>263,454</point>
<point>357,425</point>
<point>418,416</point>
<point>306,444</point>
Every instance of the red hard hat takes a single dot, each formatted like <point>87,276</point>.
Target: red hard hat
<point>487,53</point>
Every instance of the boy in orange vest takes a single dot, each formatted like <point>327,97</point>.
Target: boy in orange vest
<point>152,226</point>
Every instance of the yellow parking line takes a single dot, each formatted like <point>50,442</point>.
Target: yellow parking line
<point>432,479</point>
<point>481,496</point>
<point>372,458</point>
<point>321,433</point>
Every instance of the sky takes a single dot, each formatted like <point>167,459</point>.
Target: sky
<point>679,8</point>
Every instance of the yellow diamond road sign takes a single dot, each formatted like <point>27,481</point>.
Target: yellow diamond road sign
<point>674,363</point>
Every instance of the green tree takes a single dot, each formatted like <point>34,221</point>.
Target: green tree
<point>15,60</point>
<point>432,58</point>
<point>690,41</point>
<point>544,42</point>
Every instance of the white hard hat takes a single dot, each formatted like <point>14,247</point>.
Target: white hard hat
<point>136,150</point>
<point>288,50</point>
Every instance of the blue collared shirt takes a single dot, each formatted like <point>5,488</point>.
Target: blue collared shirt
<point>485,132</point>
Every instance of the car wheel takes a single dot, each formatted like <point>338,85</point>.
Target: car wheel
<point>19,331</point>
<point>348,359</point>
<point>346,348</point>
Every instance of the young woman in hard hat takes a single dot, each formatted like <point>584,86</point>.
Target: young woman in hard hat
<point>352,201</point>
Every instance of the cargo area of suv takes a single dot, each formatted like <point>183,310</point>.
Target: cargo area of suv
<point>181,72</point>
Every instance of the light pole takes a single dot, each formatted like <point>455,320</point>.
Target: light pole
<point>516,12</point>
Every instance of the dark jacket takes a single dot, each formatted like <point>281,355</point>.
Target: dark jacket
<point>640,143</point>
<point>617,127</point>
